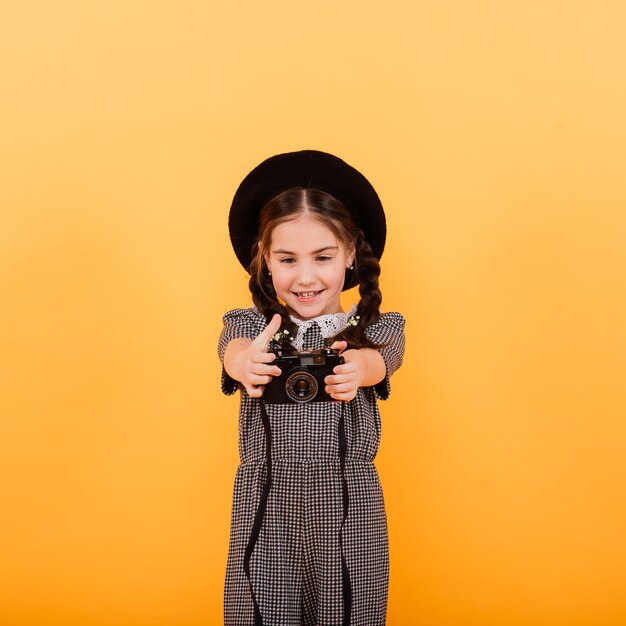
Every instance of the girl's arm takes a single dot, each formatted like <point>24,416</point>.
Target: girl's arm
<point>362,368</point>
<point>247,360</point>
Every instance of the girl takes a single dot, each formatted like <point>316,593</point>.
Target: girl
<point>308,541</point>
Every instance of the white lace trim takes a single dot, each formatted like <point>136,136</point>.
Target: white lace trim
<point>329,324</point>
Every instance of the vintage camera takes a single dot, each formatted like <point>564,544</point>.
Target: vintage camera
<point>302,378</point>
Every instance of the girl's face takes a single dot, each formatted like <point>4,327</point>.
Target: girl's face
<point>308,266</point>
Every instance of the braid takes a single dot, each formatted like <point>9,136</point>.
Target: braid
<point>368,308</point>
<point>264,297</point>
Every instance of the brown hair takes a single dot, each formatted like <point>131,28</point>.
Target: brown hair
<point>333,214</point>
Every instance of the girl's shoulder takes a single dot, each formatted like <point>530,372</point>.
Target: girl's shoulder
<point>390,319</point>
<point>242,323</point>
<point>393,315</point>
<point>389,325</point>
<point>250,313</point>
<point>250,316</point>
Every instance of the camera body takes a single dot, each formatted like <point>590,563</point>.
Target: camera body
<point>302,377</point>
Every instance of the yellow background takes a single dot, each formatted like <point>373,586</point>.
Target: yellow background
<point>495,134</point>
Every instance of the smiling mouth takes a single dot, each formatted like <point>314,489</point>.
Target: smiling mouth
<point>307,295</point>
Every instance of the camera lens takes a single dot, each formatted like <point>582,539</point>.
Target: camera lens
<point>301,386</point>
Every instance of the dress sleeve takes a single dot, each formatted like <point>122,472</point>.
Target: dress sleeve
<point>238,323</point>
<point>389,333</point>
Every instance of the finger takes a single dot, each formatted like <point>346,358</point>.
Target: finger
<point>339,345</point>
<point>254,392</point>
<point>263,339</point>
<point>344,368</point>
<point>262,357</point>
<point>257,380</point>
<point>343,397</point>
<point>348,387</point>
<point>340,388</point>
<point>338,379</point>
<point>266,370</point>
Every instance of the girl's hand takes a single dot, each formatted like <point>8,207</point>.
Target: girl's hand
<point>362,368</point>
<point>249,361</point>
<point>347,377</point>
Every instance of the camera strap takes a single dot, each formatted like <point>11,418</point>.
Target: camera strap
<point>260,513</point>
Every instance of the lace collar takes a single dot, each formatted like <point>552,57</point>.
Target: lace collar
<point>329,324</point>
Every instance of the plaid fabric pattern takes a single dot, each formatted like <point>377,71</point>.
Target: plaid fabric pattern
<point>296,564</point>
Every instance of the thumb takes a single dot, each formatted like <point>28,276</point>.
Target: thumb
<point>339,345</point>
<point>263,339</point>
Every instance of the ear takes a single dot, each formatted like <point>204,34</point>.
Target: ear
<point>350,257</point>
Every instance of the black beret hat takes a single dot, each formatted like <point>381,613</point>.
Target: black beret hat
<point>308,169</point>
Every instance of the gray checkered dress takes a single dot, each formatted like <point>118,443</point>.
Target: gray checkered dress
<point>296,565</point>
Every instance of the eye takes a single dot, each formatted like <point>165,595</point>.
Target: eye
<point>288,260</point>
<point>324,258</point>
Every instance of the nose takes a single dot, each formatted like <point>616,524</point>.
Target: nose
<point>306,274</point>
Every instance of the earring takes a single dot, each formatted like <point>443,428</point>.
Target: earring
<point>351,267</point>
<point>270,273</point>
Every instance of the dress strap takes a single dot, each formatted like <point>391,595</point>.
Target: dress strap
<point>345,574</point>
